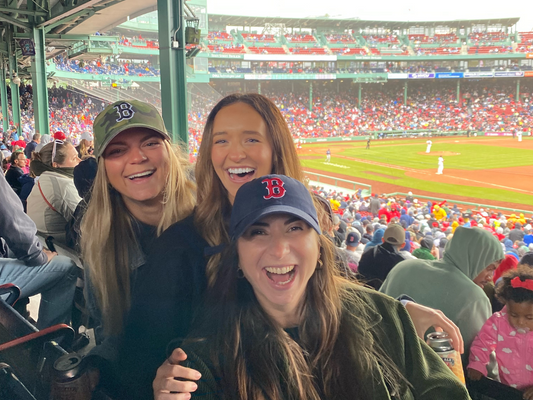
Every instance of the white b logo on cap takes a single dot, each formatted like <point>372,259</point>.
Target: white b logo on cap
<point>125,111</point>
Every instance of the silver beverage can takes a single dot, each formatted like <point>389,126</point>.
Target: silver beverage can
<point>442,345</point>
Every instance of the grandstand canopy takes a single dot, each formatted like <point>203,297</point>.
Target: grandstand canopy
<point>353,23</point>
<point>73,16</point>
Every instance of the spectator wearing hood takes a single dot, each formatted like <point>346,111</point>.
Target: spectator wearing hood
<point>385,214</point>
<point>378,261</point>
<point>517,234</point>
<point>424,252</point>
<point>407,217</point>
<point>528,236</point>
<point>376,238</point>
<point>453,284</point>
<point>441,247</point>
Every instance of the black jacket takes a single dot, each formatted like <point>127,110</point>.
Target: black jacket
<point>377,262</point>
<point>12,177</point>
<point>166,294</point>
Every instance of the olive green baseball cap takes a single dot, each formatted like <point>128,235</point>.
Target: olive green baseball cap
<point>122,115</point>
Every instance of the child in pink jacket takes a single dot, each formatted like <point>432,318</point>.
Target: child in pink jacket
<point>509,333</point>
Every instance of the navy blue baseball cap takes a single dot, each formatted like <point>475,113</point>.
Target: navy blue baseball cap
<point>267,195</point>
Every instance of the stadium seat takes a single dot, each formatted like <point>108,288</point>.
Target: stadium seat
<point>31,353</point>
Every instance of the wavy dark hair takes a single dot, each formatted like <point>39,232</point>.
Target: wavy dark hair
<point>257,359</point>
<point>213,203</point>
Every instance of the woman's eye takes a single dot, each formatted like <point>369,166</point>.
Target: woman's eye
<point>114,152</point>
<point>257,232</point>
<point>219,141</point>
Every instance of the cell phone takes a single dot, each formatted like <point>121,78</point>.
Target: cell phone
<point>50,244</point>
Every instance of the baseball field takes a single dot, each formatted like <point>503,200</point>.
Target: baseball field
<point>488,170</point>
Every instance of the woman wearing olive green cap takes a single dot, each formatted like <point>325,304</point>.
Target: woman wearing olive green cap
<point>140,189</point>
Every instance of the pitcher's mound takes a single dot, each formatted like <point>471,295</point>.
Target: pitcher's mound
<point>439,153</point>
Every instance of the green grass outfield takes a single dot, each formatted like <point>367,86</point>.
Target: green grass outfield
<point>404,153</point>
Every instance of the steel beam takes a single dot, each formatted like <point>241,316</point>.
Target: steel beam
<point>3,95</point>
<point>24,12</point>
<point>173,76</point>
<point>38,78</point>
<point>14,21</point>
<point>13,68</point>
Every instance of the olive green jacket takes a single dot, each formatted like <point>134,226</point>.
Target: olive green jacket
<point>392,329</point>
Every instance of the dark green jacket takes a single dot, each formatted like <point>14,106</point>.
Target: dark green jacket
<point>392,330</point>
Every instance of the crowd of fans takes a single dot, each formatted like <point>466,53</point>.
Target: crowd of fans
<point>440,255</point>
<point>106,66</point>
<point>410,247</point>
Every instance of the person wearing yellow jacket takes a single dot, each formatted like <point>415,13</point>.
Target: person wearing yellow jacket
<point>440,213</point>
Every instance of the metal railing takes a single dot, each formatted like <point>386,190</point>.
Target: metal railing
<point>355,185</point>
<point>466,203</point>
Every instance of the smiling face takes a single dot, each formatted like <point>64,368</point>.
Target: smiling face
<point>136,164</point>
<point>278,255</point>
<point>520,315</point>
<point>241,149</point>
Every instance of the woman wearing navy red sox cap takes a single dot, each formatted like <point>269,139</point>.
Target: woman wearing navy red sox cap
<point>280,323</point>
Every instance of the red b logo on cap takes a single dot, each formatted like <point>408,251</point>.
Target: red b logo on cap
<point>275,188</point>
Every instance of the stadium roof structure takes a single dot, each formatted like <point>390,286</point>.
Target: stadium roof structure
<point>71,16</point>
<point>350,23</point>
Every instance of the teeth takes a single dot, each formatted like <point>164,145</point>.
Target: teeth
<point>280,271</point>
<point>240,170</point>
<point>141,174</point>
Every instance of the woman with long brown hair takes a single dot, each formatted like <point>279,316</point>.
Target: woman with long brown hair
<point>280,323</point>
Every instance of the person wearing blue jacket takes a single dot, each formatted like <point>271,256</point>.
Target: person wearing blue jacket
<point>24,262</point>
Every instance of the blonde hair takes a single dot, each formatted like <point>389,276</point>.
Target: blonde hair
<point>105,250</point>
<point>84,147</point>
<point>213,204</point>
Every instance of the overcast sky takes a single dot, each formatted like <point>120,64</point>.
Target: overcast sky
<point>392,10</point>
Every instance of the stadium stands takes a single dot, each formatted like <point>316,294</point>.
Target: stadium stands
<point>226,48</point>
<point>348,51</point>
<point>255,37</point>
<point>266,50</point>
<point>299,38</point>
<point>489,49</point>
<point>340,38</point>
<point>382,39</point>
<point>305,50</point>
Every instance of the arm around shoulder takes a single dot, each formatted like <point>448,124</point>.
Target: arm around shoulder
<point>430,378</point>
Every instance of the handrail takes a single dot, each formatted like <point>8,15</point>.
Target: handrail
<point>355,184</point>
<point>478,205</point>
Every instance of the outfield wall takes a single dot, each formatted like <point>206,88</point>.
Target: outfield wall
<point>374,135</point>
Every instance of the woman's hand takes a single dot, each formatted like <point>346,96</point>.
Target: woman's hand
<point>166,384</point>
<point>425,317</point>
<point>474,374</point>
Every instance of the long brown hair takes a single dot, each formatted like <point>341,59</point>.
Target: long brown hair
<point>213,204</point>
<point>105,249</point>
<point>334,357</point>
